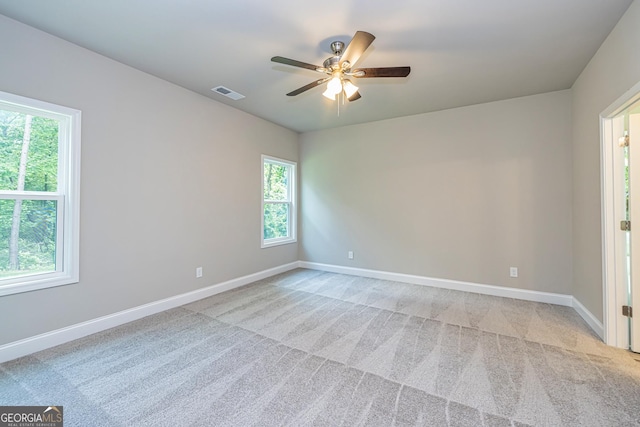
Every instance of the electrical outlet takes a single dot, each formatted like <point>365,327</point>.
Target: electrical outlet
<point>350,254</point>
<point>513,271</point>
<point>198,272</point>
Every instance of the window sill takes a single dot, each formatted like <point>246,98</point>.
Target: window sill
<point>277,242</point>
<point>36,282</point>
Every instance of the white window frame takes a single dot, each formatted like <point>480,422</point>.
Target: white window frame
<point>67,196</point>
<point>291,201</point>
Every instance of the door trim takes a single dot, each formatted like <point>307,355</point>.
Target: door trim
<point>616,326</point>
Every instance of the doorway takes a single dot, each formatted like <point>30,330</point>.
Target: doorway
<point>620,144</point>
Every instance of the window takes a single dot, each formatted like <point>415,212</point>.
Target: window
<point>278,201</point>
<point>39,194</point>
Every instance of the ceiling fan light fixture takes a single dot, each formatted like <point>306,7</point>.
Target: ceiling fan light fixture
<point>335,85</point>
<point>349,88</point>
<point>329,95</point>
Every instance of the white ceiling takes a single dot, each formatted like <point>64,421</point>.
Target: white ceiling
<point>461,52</point>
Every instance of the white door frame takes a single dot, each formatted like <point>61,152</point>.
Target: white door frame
<point>614,276</point>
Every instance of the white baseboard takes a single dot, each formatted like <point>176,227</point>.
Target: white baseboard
<point>500,291</point>
<point>588,317</point>
<point>522,294</point>
<point>40,342</point>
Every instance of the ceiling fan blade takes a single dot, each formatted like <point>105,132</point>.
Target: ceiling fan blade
<point>307,87</point>
<point>355,97</point>
<point>359,43</point>
<point>381,72</point>
<point>294,63</point>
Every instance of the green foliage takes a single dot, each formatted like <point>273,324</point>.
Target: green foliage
<point>276,220</point>
<point>38,217</point>
<point>276,189</point>
<point>276,181</point>
<point>42,164</point>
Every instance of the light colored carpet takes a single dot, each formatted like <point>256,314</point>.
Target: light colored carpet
<point>314,348</point>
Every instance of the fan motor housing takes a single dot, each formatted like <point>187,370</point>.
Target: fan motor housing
<point>332,63</point>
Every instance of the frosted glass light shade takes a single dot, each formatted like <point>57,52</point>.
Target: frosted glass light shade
<point>349,88</point>
<point>328,94</point>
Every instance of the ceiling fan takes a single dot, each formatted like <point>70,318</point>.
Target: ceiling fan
<point>341,66</point>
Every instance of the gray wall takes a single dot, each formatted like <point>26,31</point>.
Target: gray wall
<point>170,181</point>
<point>611,72</point>
<point>461,194</point>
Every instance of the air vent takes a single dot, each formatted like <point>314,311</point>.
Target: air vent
<point>227,92</point>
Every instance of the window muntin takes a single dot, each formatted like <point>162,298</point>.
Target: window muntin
<point>278,201</point>
<point>39,194</point>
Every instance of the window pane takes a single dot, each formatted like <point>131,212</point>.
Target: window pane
<point>27,237</point>
<point>29,152</point>
<point>276,220</point>
<point>276,179</point>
